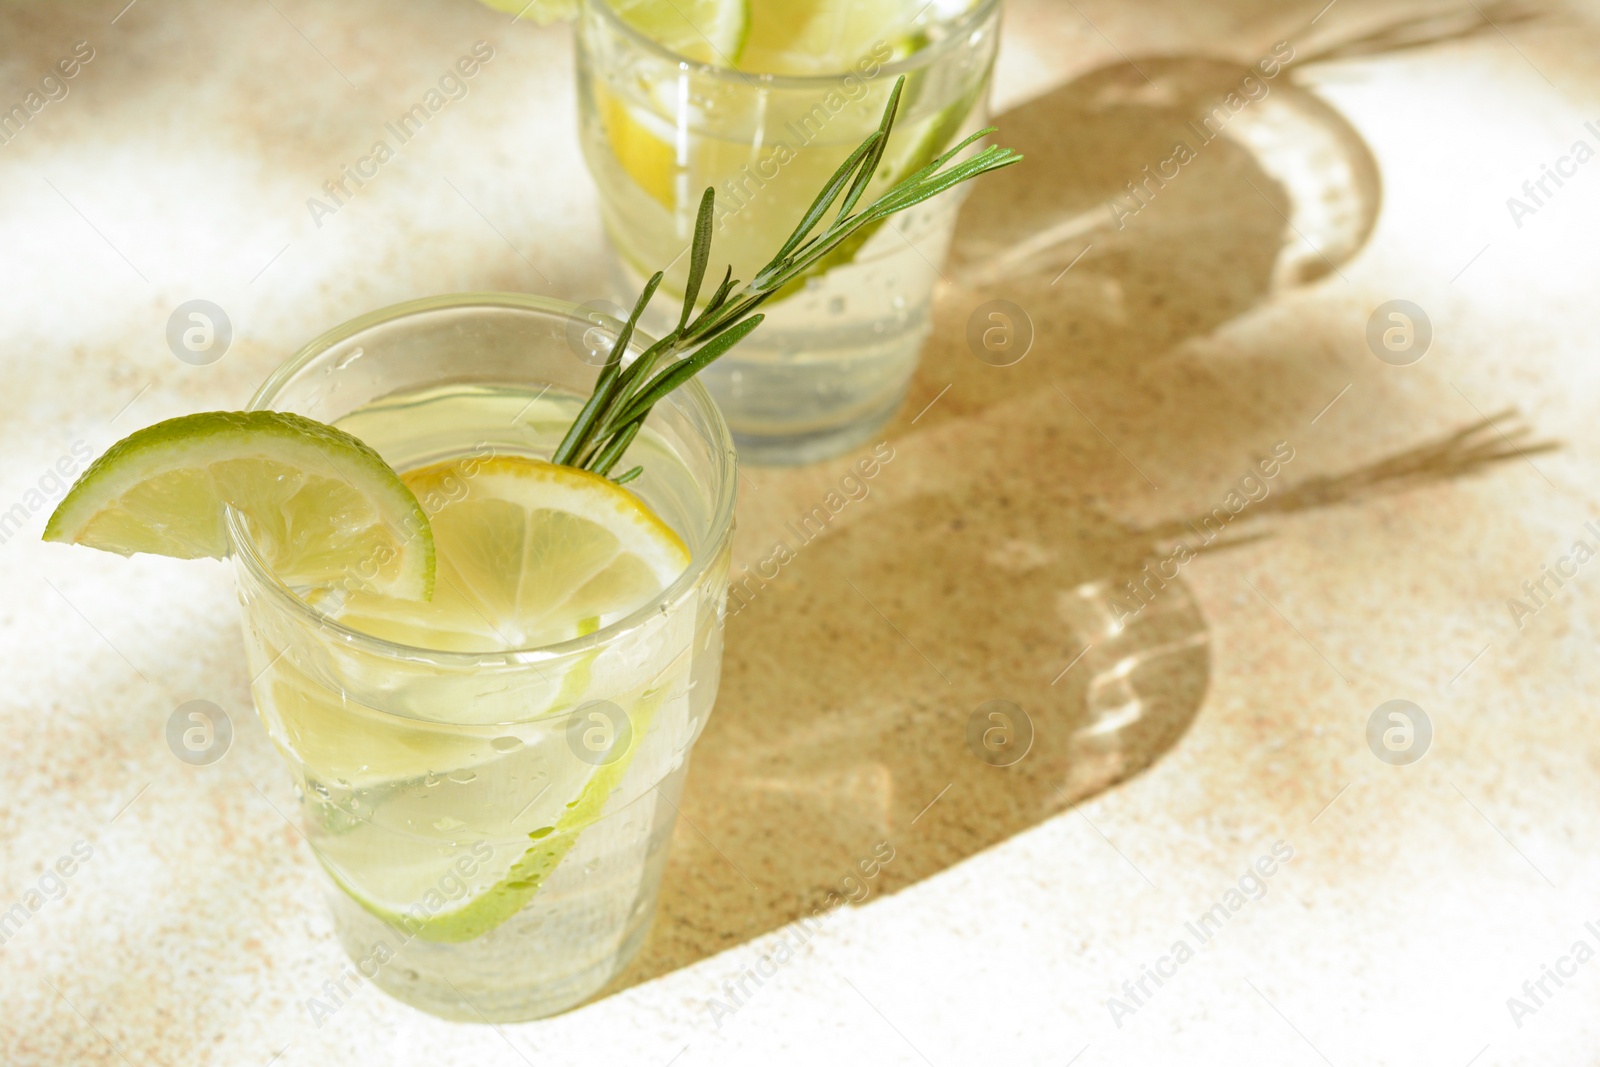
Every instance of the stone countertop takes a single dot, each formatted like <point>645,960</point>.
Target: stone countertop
<point>1208,852</point>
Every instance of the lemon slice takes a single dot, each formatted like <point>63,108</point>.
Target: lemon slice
<point>707,31</point>
<point>323,507</point>
<point>643,144</point>
<point>529,553</point>
<point>655,144</point>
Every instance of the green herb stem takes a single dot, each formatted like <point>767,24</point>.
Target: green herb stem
<point>623,397</point>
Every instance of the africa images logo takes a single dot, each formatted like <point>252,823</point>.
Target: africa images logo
<point>452,86</point>
<point>1251,886</point>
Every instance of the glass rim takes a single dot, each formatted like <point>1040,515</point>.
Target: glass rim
<point>918,60</point>
<point>692,397</point>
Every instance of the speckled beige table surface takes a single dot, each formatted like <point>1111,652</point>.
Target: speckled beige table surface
<point>1224,512</point>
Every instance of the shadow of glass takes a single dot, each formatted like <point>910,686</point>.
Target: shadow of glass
<point>1200,186</point>
<point>890,686</point>
<point>1462,453</point>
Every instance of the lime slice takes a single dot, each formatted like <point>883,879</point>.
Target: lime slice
<point>543,12</point>
<point>826,36</point>
<point>530,554</point>
<point>324,508</point>
<point>385,883</point>
<point>706,31</point>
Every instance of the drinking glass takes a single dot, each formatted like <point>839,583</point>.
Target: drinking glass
<point>493,826</point>
<point>833,359</point>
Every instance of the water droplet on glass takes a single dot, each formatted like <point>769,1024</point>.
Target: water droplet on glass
<point>354,355</point>
<point>463,777</point>
<point>506,744</point>
<point>432,780</point>
<point>591,866</point>
<point>447,823</point>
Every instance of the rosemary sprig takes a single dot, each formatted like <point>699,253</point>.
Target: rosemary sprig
<point>623,397</point>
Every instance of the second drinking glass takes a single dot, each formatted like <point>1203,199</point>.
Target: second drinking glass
<point>832,362</point>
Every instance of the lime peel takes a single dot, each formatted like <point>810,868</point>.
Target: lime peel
<point>706,31</point>
<point>492,907</point>
<point>323,507</point>
<point>544,12</point>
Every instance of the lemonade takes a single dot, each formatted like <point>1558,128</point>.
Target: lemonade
<point>762,101</point>
<point>490,778</point>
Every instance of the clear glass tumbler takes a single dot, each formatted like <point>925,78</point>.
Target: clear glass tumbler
<point>832,361</point>
<point>493,826</point>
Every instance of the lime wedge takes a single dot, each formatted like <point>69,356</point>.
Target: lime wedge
<point>707,31</point>
<point>323,507</point>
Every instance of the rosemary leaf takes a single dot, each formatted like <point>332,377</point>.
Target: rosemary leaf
<point>682,371</point>
<point>825,198</point>
<point>578,434</point>
<point>623,396</point>
<point>865,174</point>
<point>607,457</point>
<point>699,257</point>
